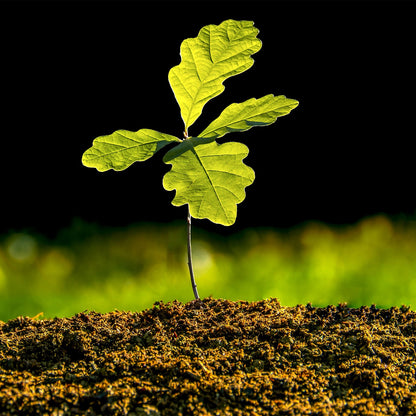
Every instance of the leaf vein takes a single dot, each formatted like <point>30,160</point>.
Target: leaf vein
<point>228,173</point>
<point>127,148</point>
<point>210,180</point>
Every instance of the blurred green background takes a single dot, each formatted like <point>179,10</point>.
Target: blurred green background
<point>87,267</point>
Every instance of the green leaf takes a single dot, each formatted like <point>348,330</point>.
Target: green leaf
<point>217,53</point>
<point>209,177</point>
<point>250,113</point>
<point>122,148</point>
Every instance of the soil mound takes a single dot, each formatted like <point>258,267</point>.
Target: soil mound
<point>215,357</point>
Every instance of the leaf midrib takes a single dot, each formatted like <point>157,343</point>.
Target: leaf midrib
<point>202,83</point>
<point>210,181</point>
<point>125,148</point>
<point>238,120</point>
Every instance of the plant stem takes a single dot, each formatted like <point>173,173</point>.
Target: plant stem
<point>191,269</point>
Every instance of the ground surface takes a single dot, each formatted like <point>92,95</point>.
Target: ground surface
<point>218,358</point>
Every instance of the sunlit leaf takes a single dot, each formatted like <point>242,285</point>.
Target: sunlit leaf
<point>218,53</point>
<point>122,148</point>
<point>250,113</point>
<point>209,177</point>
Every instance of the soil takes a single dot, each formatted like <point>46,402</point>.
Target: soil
<point>213,357</point>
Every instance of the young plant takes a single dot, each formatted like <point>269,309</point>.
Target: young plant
<point>210,177</point>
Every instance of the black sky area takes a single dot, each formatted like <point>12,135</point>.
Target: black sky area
<point>72,71</point>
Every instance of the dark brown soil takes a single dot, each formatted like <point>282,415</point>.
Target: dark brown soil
<point>214,358</point>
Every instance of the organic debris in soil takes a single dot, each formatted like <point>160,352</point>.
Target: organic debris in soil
<point>215,357</point>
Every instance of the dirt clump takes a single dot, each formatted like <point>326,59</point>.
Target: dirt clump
<point>216,357</point>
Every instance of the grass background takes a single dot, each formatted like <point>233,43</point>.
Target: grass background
<point>87,267</point>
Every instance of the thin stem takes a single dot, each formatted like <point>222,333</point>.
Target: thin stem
<point>191,269</point>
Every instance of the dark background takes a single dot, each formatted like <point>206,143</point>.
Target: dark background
<point>72,71</point>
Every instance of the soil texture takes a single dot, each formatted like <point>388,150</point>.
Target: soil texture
<point>214,357</point>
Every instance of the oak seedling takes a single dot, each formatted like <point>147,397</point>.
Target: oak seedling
<point>209,177</point>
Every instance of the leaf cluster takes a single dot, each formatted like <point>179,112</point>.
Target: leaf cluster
<point>210,177</point>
